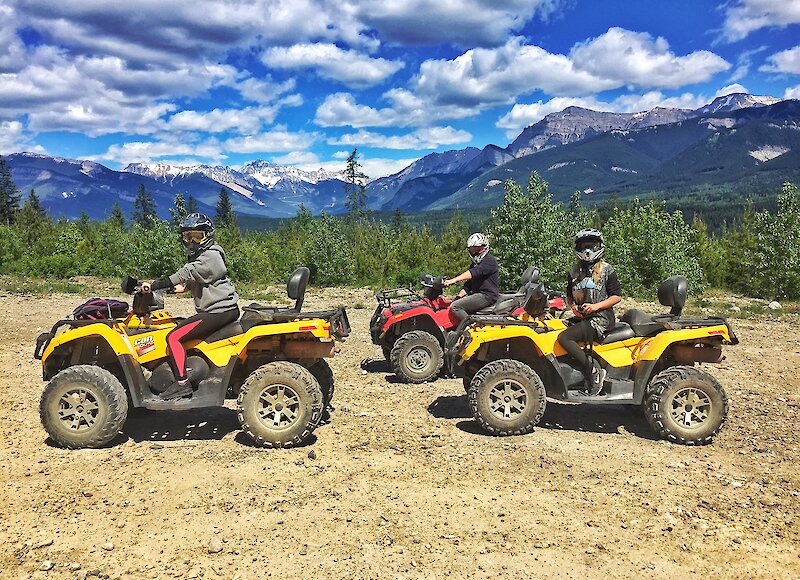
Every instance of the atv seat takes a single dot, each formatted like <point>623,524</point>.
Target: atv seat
<point>509,301</point>
<point>642,323</point>
<point>255,313</point>
<point>227,331</point>
<point>621,331</point>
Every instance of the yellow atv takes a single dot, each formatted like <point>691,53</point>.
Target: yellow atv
<point>511,366</point>
<point>272,360</point>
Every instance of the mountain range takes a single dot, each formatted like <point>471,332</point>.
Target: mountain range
<point>737,141</point>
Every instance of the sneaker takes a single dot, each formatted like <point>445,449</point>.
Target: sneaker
<point>598,378</point>
<point>177,390</point>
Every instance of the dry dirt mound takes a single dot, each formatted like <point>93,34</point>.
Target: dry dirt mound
<point>401,483</point>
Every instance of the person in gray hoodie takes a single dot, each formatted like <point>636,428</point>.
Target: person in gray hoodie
<point>205,275</point>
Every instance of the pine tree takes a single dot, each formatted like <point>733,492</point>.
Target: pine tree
<point>399,223</point>
<point>354,188</point>
<point>178,212</point>
<point>191,205</point>
<point>225,215</point>
<point>32,219</point>
<point>144,208</point>
<point>9,195</point>
<point>117,219</point>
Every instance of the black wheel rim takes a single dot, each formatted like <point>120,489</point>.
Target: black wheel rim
<point>78,409</point>
<point>278,407</point>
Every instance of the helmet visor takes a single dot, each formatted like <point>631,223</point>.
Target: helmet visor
<point>193,236</point>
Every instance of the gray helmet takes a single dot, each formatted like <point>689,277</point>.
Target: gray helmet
<point>193,242</point>
<point>589,245</point>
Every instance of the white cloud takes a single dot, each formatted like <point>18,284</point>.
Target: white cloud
<point>730,89</point>
<point>792,92</point>
<point>145,151</point>
<point>275,140</point>
<point>624,57</point>
<point>787,61</point>
<point>13,139</point>
<point>463,22</point>
<point>298,158</point>
<point>428,138</point>
<point>379,167</point>
<point>245,121</point>
<point>341,110</point>
<point>747,16</point>
<point>331,62</point>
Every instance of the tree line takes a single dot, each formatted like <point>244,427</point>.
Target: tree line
<point>755,256</point>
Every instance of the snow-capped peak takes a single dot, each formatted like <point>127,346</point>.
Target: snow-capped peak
<point>736,101</point>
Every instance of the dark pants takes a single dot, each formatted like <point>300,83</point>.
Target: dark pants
<point>467,305</point>
<point>582,331</point>
<point>195,327</point>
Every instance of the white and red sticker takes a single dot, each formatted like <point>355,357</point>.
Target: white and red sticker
<point>144,345</point>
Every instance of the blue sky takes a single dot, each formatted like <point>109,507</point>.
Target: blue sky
<point>303,82</point>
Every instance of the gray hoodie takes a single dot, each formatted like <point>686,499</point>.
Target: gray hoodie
<point>206,276</point>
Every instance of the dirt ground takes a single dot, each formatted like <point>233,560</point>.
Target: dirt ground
<point>401,484</point>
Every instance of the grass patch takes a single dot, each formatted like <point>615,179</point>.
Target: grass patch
<point>21,285</point>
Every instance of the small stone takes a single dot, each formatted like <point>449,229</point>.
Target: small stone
<point>215,546</point>
<point>156,446</point>
<point>151,490</point>
<point>774,305</point>
<point>735,309</point>
<point>75,567</point>
<point>344,409</point>
<point>44,544</point>
<point>538,545</point>
<point>312,454</point>
<point>108,546</point>
<point>736,484</point>
<point>46,566</point>
<point>364,373</point>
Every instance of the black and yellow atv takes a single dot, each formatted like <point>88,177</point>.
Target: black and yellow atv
<point>272,360</point>
<point>512,366</point>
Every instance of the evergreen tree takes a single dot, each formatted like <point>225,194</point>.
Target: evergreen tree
<point>178,212</point>
<point>354,188</point>
<point>32,219</point>
<point>399,223</point>
<point>225,216</point>
<point>117,219</point>
<point>191,205</point>
<point>9,195</point>
<point>144,208</point>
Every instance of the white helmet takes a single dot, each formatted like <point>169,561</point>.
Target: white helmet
<point>589,245</point>
<point>477,240</point>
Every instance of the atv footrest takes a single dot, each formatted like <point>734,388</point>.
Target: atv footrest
<point>193,402</point>
<point>614,392</point>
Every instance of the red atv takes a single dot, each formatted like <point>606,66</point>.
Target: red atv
<point>411,329</point>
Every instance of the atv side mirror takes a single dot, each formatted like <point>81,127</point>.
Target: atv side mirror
<point>296,286</point>
<point>129,284</point>
<point>673,293</point>
<point>535,299</point>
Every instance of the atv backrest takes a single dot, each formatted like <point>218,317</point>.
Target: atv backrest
<point>531,274</point>
<point>296,286</point>
<point>535,299</point>
<point>673,292</point>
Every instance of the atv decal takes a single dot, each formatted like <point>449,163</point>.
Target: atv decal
<point>144,345</point>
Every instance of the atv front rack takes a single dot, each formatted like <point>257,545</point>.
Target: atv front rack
<point>386,298</point>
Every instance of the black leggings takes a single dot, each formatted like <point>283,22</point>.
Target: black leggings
<point>582,331</point>
<point>195,327</point>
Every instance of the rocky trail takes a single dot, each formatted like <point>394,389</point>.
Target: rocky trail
<point>400,483</point>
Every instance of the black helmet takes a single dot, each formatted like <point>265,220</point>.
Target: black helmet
<point>197,233</point>
<point>589,245</point>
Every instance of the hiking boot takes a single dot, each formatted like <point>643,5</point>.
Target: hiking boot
<point>177,390</point>
<point>598,378</point>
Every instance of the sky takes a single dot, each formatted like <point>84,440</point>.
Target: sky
<point>304,82</point>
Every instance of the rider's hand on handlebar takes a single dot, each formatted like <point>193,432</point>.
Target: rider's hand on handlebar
<point>576,311</point>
